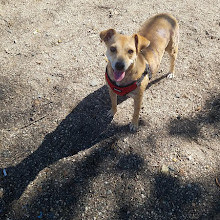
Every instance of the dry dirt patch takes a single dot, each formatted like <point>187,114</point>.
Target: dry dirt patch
<point>62,158</point>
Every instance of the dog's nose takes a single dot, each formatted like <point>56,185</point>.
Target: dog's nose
<point>120,65</point>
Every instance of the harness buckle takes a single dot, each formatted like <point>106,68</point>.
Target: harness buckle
<point>117,90</point>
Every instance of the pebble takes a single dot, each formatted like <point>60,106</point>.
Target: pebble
<point>116,12</point>
<point>189,185</point>
<point>170,76</point>
<point>35,32</point>
<point>174,160</point>
<point>182,172</point>
<point>177,95</point>
<point>6,153</point>
<point>109,192</point>
<point>164,169</point>
<point>4,172</point>
<point>41,215</point>
<point>93,83</point>
<point>1,193</point>
<point>171,168</point>
<point>143,196</point>
<point>178,117</point>
<point>189,157</point>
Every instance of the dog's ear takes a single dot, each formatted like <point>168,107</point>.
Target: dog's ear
<point>140,43</point>
<point>107,34</point>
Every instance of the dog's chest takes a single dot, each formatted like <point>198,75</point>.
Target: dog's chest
<point>132,94</point>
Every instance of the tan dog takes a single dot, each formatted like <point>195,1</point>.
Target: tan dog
<point>132,59</point>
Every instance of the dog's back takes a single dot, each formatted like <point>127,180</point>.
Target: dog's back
<point>160,28</point>
<point>162,31</point>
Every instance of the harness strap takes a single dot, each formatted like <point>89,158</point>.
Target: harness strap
<point>124,90</point>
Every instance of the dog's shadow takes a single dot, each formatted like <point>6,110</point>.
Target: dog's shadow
<point>85,126</point>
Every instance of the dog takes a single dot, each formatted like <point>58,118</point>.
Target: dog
<point>132,60</point>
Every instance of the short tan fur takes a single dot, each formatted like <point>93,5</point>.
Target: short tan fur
<point>130,54</point>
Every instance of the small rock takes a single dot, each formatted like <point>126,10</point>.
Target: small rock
<point>172,168</point>
<point>189,157</point>
<point>170,75</point>
<point>116,12</point>
<point>174,160</point>
<point>41,215</point>
<point>109,192</point>
<point>6,153</point>
<point>178,117</point>
<point>4,172</point>
<point>7,51</point>
<point>164,169</point>
<point>177,95</point>
<point>1,193</point>
<point>93,83</point>
<point>198,108</point>
<point>182,172</point>
<point>36,102</point>
<point>35,32</point>
<point>143,196</point>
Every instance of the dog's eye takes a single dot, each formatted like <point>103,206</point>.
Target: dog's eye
<point>113,49</point>
<point>130,51</point>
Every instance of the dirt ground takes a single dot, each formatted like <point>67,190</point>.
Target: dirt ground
<point>61,157</point>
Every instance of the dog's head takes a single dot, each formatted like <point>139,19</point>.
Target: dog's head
<point>122,50</point>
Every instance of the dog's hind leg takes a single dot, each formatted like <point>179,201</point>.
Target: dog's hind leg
<point>172,49</point>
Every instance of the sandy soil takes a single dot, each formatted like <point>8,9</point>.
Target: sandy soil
<point>61,157</point>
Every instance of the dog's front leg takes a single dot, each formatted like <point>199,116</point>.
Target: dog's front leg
<point>113,97</point>
<point>137,106</point>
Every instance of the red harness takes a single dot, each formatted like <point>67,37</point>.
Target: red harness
<point>124,90</point>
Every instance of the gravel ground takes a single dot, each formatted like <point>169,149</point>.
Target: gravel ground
<point>61,157</point>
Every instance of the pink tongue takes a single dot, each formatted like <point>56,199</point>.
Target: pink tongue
<point>119,75</point>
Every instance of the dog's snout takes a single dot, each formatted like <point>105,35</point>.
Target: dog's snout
<point>120,65</point>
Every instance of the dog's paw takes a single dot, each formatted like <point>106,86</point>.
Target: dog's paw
<point>111,113</point>
<point>170,75</point>
<point>133,127</point>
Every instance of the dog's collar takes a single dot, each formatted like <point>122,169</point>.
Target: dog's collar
<point>124,90</point>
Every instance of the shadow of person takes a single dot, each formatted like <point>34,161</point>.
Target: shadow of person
<point>191,127</point>
<point>85,126</point>
<point>169,199</point>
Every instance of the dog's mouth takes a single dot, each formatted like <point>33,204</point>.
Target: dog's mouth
<point>119,75</point>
